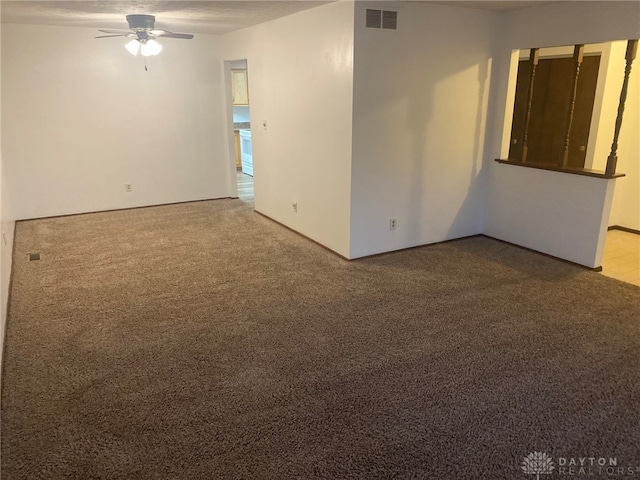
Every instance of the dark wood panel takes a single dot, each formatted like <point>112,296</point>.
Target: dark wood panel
<point>549,110</point>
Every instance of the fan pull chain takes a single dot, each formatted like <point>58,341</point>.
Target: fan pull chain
<point>145,64</point>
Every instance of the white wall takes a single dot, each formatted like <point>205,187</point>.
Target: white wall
<point>420,95</point>
<point>6,235</point>
<point>511,192</point>
<point>556,213</point>
<point>3,247</point>
<point>82,118</point>
<point>7,226</point>
<point>6,249</point>
<point>301,83</point>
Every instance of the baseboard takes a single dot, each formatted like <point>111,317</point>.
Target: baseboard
<point>364,256</point>
<point>593,269</point>
<point>123,208</point>
<point>301,234</point>
<point>423,245</point>
<point>426,245</point>
<point>624,229</point>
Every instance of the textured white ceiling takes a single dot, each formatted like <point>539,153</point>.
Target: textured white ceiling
<point>176,15</point>
<point>187,16</point>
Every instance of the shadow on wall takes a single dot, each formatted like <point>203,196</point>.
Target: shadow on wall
<point>443,163</point>
<point>481,142</point>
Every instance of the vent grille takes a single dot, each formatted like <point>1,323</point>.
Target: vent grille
<point>390,20</point>
<point>382,19</point>
<point>374,18</point>
<point>33,257</point>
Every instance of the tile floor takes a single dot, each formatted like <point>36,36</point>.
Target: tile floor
<point>245,187</point>
<point>621,259</point>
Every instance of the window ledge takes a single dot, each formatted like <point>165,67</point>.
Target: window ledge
<point>573,171</point>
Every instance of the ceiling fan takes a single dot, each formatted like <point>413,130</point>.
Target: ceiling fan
<point>143,35</point>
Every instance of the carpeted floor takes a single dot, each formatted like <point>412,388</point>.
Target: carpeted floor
<point>203,341</point>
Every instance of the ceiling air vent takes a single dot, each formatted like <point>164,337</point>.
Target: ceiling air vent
<point>382,19</point>
<point>374,18</point>
<point>390,20</point>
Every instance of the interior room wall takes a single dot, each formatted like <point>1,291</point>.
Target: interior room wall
<point>86,119</point>
<point>301,85</point>
<point>6,250</point>
<point>420,100</point>
<point>509,200</point>
<point>3,247</point>
<point>555,213</point>
<point>6,233</point>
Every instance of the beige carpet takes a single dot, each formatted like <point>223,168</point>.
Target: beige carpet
<point>203,341</point>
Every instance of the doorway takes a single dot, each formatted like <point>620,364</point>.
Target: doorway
<point>241,118</point>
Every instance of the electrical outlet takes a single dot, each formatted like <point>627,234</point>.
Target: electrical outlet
<point>128,188</point>
<point>294,205</point>
<point>392,224</point>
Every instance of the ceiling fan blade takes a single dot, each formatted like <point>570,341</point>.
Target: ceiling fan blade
<point>107,36</point>
<point>110,30</point>
<point>186,36</point>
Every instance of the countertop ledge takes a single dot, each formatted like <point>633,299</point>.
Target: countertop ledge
<point>573,171</point>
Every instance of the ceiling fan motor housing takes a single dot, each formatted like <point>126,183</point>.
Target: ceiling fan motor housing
<point>141,22</point>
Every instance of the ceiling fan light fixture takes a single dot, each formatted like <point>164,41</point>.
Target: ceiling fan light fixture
<point>133,47</point>
<point>142,35</point>
<point>150,47</point>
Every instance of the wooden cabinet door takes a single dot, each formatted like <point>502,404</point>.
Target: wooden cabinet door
<point>239,87</point>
